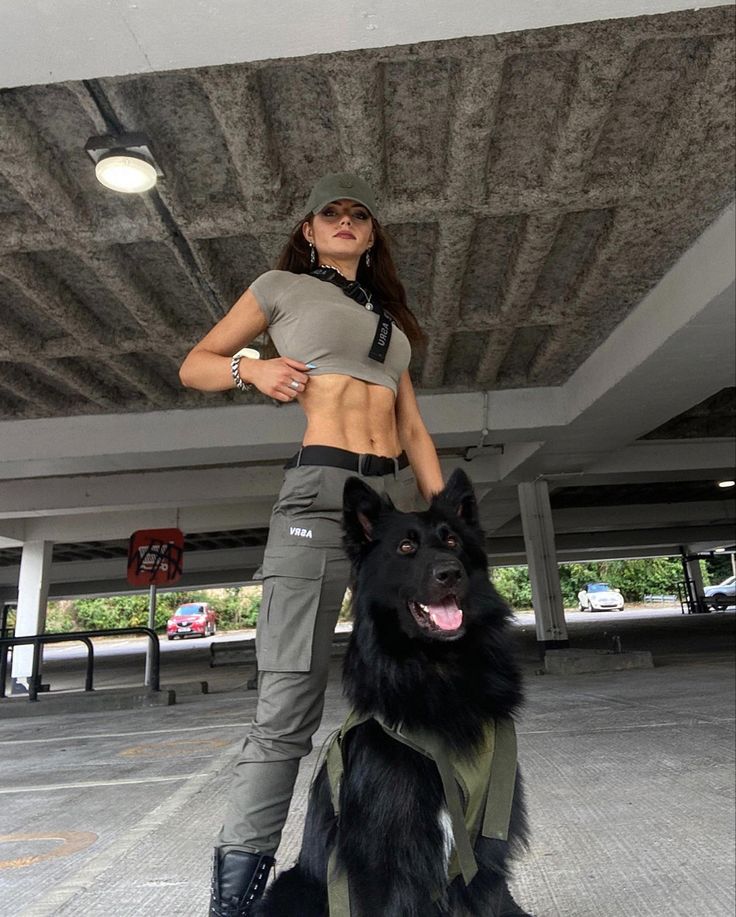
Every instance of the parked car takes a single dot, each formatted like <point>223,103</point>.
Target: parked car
<point>195,619</point>
<point>600,597</point>
<point>722,595</point>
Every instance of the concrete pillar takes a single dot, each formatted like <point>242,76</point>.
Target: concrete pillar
<point>33,590</point>
<point>696,574</point>
<point>691,563</point>
<point>541,556</point>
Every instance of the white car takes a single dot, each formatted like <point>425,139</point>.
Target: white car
<point>600,597</point>
<point>722,595</point>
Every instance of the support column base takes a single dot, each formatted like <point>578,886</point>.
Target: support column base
<point>580,661</point>
<point>18,685</point>
<point>544,645</point>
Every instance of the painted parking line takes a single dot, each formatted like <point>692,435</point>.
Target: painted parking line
<point>74,885</point>
<point>69,842</point>
<point>122,735</point>
<point>589,730</point>
<point>172,747</point>
<point>88,784</point>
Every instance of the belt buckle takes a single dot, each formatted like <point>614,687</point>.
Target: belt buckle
<point>369,465</point>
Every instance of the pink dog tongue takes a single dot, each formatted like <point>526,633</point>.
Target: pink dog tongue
<point>446,616</point>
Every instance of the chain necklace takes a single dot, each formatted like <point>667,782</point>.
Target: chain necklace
<point>368,304</point>
<point>333,268</point>
<point>357,292</point>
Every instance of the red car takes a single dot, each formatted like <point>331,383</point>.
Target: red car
<point>195,619</point>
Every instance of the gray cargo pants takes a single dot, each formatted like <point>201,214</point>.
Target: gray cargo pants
<point>305,573</point>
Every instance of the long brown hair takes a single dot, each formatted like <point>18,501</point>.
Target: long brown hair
<point>380,277</point>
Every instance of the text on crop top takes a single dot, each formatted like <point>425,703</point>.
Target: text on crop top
<point>315,322</point>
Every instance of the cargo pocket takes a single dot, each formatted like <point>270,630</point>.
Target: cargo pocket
<point>292,586</point>
<point>300,489</point>
<point>404,492</point>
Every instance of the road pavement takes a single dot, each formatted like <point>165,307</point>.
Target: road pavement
<point>629,775</point>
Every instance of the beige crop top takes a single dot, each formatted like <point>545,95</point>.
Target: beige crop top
<point>314,321</point>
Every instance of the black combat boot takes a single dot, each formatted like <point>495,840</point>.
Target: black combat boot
<point>238,880</point>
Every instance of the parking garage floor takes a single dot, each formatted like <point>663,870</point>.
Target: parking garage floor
<point>630,780</point>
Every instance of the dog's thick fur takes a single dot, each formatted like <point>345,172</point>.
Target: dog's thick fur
<point>447,679</point>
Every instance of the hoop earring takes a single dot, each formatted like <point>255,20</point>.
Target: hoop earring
<point>368,258</point>
<point>312,255</point>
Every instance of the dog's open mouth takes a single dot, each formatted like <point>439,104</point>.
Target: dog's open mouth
<point>444,616</point>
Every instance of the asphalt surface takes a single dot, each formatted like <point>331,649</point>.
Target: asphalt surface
<point>630,781</point>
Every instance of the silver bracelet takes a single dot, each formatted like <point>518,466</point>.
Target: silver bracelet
<point>235,370</point>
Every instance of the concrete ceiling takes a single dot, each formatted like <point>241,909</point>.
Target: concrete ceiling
<point>561,205</point>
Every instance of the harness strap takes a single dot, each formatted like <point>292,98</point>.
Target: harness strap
<point>432,748</point>
<point>500,751</point>
<point>338,888</point>
<point>497,816</point>
<point>333,762</point>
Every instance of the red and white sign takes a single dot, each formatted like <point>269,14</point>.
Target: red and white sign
<point>155,557</point>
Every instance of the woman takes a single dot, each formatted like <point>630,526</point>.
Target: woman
<point>337,314</point>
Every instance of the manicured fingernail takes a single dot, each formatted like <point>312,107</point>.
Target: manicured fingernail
<point>311,365</point>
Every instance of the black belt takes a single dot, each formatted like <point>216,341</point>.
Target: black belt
<point>360,462</point>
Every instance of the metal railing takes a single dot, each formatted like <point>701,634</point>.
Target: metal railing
<point>82,636</point>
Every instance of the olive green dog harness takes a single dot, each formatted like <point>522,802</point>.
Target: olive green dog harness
<point>479,792</point>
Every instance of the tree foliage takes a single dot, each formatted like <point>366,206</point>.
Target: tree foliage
<point>635,578</point>
<point>238,607</point>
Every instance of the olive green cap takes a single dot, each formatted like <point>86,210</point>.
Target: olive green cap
<point>339,185</point>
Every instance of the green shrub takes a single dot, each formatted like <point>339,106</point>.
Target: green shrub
<point>129,610</point>
<point>513,585</point>
<point>60,618</point>
<point>238,607</point>
<point>635,578</point>
<point>116,611</point>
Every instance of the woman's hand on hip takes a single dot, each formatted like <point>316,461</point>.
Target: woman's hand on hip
<point>281,378</point>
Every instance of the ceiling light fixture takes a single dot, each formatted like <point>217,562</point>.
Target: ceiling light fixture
<point>727,483</point>
<point>124,163</point>
<point>720,550</point>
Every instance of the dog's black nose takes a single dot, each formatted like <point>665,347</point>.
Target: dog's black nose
<point>446,572</point>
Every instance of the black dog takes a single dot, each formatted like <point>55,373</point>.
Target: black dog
<point>429,674</point>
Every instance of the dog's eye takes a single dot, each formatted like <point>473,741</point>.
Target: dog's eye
<point>407,547</point>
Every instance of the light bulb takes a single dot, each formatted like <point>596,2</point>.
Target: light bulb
<point>126,173</point>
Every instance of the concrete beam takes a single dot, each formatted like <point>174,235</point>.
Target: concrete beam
<point>113,569</point>
<point>645,542</point>
<point>248,433</point>
<point>109,526</point>
<point>237,566</point>
<point>595,520</point>
<point>123,492</point>
<point>648,361</point>
<point>43,43</point>
<point>203,579</point>
<point>648,457</point>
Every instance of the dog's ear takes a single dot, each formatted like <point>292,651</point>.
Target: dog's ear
<point>459,497</point>
<point>361,507</point>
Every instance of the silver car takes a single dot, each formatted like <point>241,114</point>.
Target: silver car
<point>722,595</point>
<point>600,597</point>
